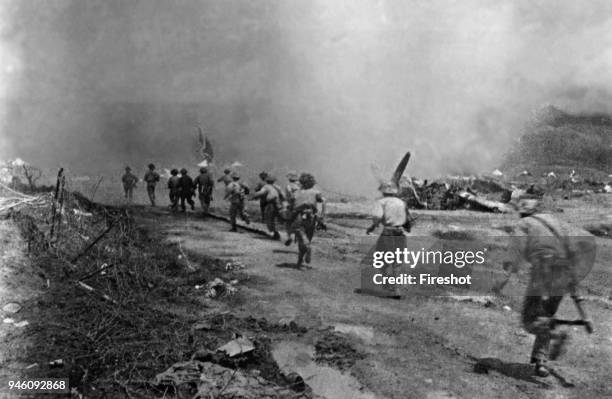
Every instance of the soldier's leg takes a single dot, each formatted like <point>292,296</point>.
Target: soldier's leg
<point>243,215</point>
<point>262,209</point>
<point>537,314</point>
<point>233,214</point>
<point>191,203</point>
<point>151,193</point>
<point>302,247</point>
<point>183,208</point>
<point>202,199</point>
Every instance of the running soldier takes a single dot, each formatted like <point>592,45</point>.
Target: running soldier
<point>151,178</point>
<point>129,181</point>
<point>262,199</point>
<point>204,184</point>
<point>305,217</point>
<point>556,268</point>
<point>287,207</point>
<point>271,196</point>
<point>235,193</point>
<point>173,186</point>
<point>186,190</point>
<point>226,178</point>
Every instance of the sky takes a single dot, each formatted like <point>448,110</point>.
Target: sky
<point>327,86</point>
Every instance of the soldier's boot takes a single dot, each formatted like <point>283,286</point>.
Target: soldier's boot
<point>558,346</point>
<point>541,370</point>
<point>276,236</point>
<point>308,253</point>
<point>288,241</point>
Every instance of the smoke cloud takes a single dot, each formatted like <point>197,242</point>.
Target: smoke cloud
<point>319,85</point>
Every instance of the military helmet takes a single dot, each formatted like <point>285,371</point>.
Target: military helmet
<point>263,175</point>
<point>174,172</point>
<point>388,188</point>
<point>270,179</point>
<point>183,171</point>
<point>227,171</point>
<point>235,175</point>
<point>307,180</point>
<point>203,169</point>
<point>127,169</point>
<point>151,166</point>
<point>292,176</point>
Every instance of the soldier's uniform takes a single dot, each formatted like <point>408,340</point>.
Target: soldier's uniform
<point>186,190</point>
<point>226,178</point>
<point>151,178</point>
<point>205,185</point>
<point>287,206</point>
<point>271,196</point>
<point>543,242</point>
<point>235,193</point>
<point>304,216</point>
<point>262,200</point>
<point>173,186</point>
<point>129,182</point>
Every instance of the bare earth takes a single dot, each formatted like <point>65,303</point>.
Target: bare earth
<point>415,347</point>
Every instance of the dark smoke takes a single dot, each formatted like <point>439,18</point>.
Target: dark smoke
<point>328,86</point>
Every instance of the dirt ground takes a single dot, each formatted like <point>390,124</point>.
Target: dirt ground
<point>358,346</point>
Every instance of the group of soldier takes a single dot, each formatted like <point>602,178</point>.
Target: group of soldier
<point>544,244</point>
<point>295,205</point>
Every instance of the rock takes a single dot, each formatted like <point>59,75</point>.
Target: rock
<point>11,307</point>
<point>237,346</point>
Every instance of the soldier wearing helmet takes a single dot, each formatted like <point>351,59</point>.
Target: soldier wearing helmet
<point>290,189</point>
<point>235,193</point>
<point>173,186</point>
<point>151,178</point>
<point>272,197</point>
<point>392,213</point>
<point>186,190</point>
<point>262,201</point>
<point>305,216</point>
<point>226,178</point>
<point>129,181</point>
<point>544,242</point>
<point>204,184</point>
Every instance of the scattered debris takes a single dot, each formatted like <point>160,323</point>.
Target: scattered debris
<point>218,288</point>
<point>57,363</point>
<point>211,380</point>
<point>336,350</point>
<point>22,323</point>
<point>234,265</point>
<point>11,307</point>
<point>237,347</point>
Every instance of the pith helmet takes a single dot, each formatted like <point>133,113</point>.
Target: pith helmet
<point>388,188</point>
<point>292,176</point>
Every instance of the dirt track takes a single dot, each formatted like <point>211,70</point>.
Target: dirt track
<point>416,347</point>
